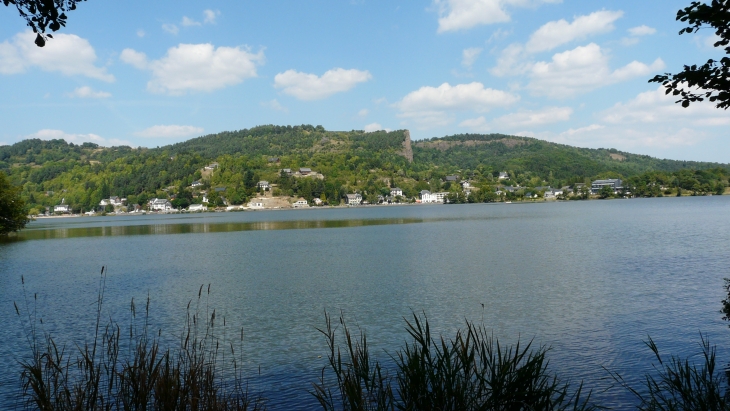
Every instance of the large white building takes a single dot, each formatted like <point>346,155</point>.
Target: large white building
<point>396,191</point>
<point>429,197</point>
<point>160,204</point>
<point>353,199</point>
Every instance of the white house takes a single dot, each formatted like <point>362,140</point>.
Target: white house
<point>62,208</point>
<point>160,204</point>
<point>197,207</point>
<point>256,204</point>
<point>353,199</point>
<point>301,203</point>
<point>503,175</point>
<point>553,192</point>
<point>317,201</point>
<point>211,166</point>
<point>264,185</point>
<point>395,192</point>
<point>196,183</point>
<point>466,185</point>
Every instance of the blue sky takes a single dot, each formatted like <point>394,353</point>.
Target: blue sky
<point>147,73</point>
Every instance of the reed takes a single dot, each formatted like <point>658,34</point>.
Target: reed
<point>122,370</point>
<point>471,371</point>
<point>680,384</point>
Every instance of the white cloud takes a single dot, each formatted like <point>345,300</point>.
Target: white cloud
<point>49,134</point>
<point>196,67</point>
<point>275,105</point>
<point>306,86</point>
<point>141,33</point>
<point>210,16</point>
<point>66,53</point>
<point>363,113</point>
<point>469,56</point>
<point>188,22</point>
<point>521,119</point>
<point>515,59</point>
<point>656,107</point>
<point>170,28</point>
<point>88,92</point>
<point>581,70</point>
<point>374,127</point>
<point>134,58</point>
<point>642,31</point>
<point>557,33</point>
<point>457,15</point>
<point>431,106</point>
<point>169,131</point>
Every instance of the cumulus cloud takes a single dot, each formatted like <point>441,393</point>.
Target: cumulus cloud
<point>68,54</point>
<point>188,22</point>
<point>209,16</point>
<point>374,127</point>
<point>306,86</point>
<point>557,33</point>
<point>642,31</point>
<point>169,131</point>
<point>50,134</point>
<point>519,120</point>
<point>469,56</point>
<point>656,107</point>
<point>275,105</point>
<point>457,15</point>
<point>170,28</point>
<point>196,67</point>
<point>432,106</point>
<point>581,70</point>
<point>88,92</point>
<point>516,59</point>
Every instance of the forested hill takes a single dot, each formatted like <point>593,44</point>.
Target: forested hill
<point>51,171</point>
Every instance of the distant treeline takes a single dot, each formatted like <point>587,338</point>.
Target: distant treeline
<point>369,163</point>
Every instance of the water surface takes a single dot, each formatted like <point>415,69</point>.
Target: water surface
<point>590,279</point>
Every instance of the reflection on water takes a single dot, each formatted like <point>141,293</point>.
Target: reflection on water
<point>192,228</point>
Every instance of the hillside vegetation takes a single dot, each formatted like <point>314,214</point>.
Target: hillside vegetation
<point>370,163</point>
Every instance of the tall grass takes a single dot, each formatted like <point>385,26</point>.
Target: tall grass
<point>680,384</point>
<point>471,371</point>
<point>129,369</point>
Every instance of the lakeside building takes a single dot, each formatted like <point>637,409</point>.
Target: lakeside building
<point>197,207</point>
<point>160,204</point>
<point>62,209</point>
<point>396,191</point>
<point>301,203</point>
<point>264,185</point>
<point>429,197</point>
<point>353,199</point>
<point>614,183</point>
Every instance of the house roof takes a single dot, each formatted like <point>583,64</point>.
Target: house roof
<point>451,178</point>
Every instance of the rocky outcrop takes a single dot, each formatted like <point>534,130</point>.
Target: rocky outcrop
<point>407,150</point>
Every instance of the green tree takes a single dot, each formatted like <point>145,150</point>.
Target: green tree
<point>12,208</point>
<point>712,79</point>
<point>605,192</point>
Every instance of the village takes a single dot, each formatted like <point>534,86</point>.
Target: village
<point>266,199</point>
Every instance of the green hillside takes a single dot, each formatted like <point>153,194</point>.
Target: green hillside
<point>82,175</point>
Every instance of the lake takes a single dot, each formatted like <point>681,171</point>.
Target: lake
<point>590,279</point>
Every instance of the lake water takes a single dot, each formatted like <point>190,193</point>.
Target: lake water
<point>591,279</point>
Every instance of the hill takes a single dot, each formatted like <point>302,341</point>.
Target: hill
<point>370,163</point>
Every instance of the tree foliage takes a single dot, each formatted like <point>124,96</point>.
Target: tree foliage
<point>710,80</point>
<point>12,208</point>
<point>43,15</point>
